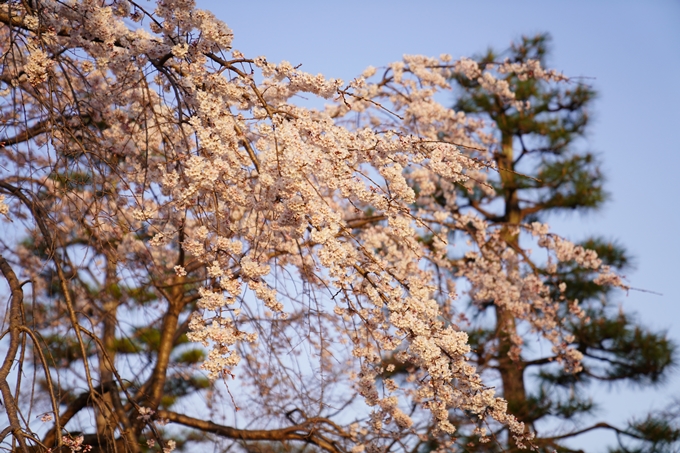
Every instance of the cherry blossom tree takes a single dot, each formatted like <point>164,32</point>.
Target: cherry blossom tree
<point>190,257</point>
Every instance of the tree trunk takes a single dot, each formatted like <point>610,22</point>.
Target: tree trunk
<point>511,371</point>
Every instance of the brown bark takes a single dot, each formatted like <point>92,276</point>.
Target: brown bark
<point>511,371</point>
<point>307,432</point>
<point>106,416</point>
<point>15,323</point>
<point>151,393</point>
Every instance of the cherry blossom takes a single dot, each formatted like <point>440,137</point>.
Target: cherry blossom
<point>284,225</point>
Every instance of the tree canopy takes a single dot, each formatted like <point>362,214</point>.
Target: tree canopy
<point>191,257</point>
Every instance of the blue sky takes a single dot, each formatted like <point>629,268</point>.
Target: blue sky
<point>631,52</point>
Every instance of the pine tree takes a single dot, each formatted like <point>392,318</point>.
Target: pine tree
<point>542,171</point>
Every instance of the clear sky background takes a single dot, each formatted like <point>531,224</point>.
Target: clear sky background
<point>631,50</point>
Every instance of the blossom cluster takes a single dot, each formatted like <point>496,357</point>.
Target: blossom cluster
<point>215,178</point>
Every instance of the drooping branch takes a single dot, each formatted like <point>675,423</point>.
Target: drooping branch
<point>48,380</point>
<point>37,129</point>
<point>307,432</point>
<point>83,400</point>
<point>15,322</point>
<point>40,216</point>
<point>600,425</point>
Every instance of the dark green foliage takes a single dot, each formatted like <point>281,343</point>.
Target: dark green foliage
<point>623,350</point>
<point>655,433</point>
<point>62,350</point>
<point>571,182</point>
<point>72,180</point>
<point>556,116</point>
<point>540,137</point>
<point>178,386</point>
<point>126,346</point>
<point>190,356</point>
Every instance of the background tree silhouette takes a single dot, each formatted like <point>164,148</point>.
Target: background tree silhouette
<point>543,171</point>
